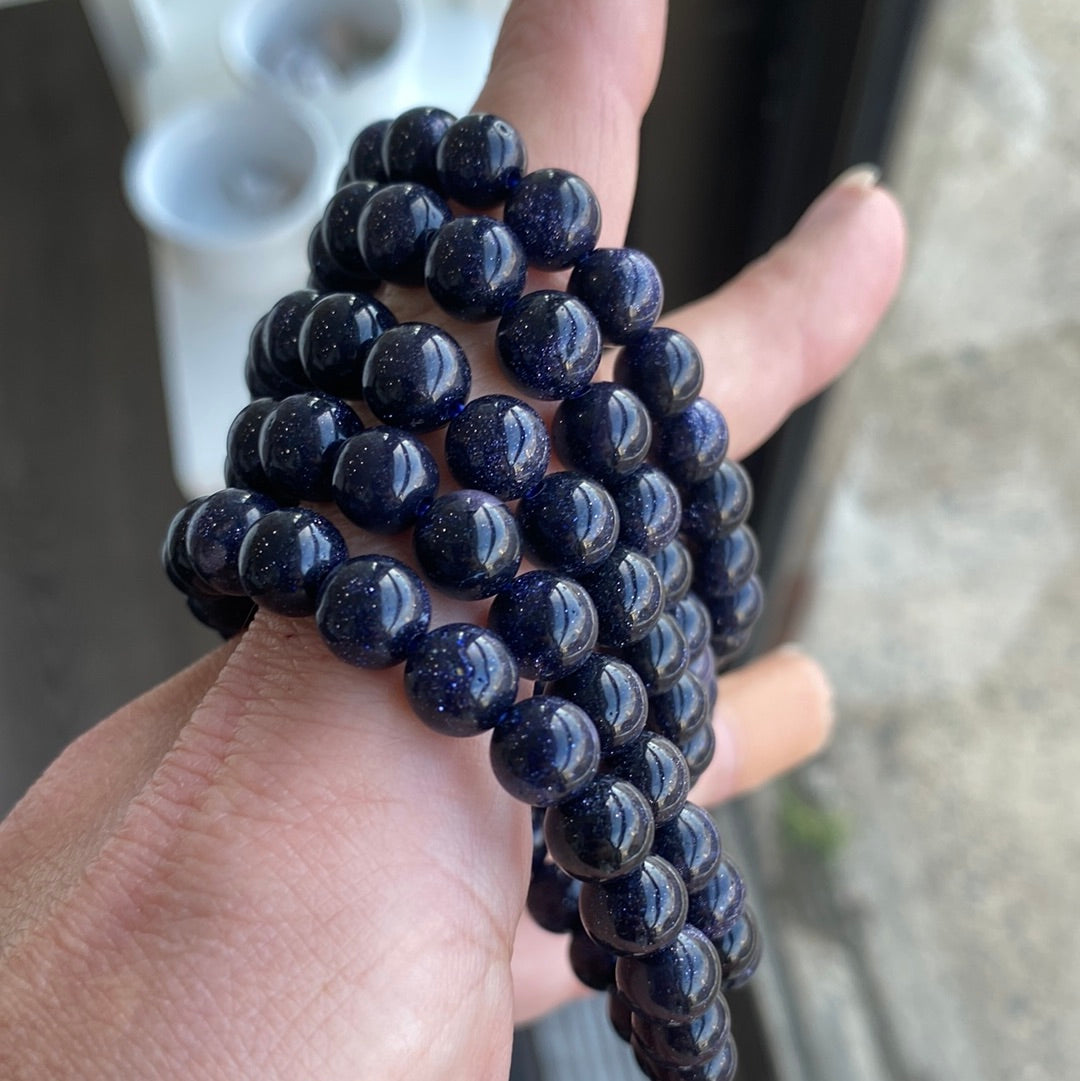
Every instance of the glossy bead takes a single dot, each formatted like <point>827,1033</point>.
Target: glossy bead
<point>660,656</point>
<point>602,832</point>
<point>692,616</point>
<point>326,275</point>
<point>547,621</point>
<point>657,769</point>
<point>281,336</point>
<point>724,565</point>
<point>664,369</point>
<point>174,556</point>
<point>593,965</point>
<point>398,224</point>
<point>339,228</point>
<point>410,144</point>
<point>468,545</point>
<point>703,664</point>
<point>498,444</point>
<point>719,504</point>
<point>620,1014</point>
<point>676,567</point>
<point>628,595</point>
<point>568,523</point>
<point>673,985</point>
<point>543,750</point>
<point>613,696</point>
<point>690,842</point>
<point>728,648</point>
<point>260,378</point>
<point>336,337</point>
<point>539,847</point>
<point>556,215</point>
<point>365,154</point>
<point>692,444</point>
<point>699,749</point>
<point>622,288</point>
<point>480,160</point>
<point>689,1044</point>
<point>680,711</point>
<point>719,901</point>
<point>552,900</point>
<point>736,613</point>
<point>722,1066</point>
<point>384,479</point>
<point>215,531</point>
<point>475,269</point>
<point>460,678</point>
<point>299,443</point>
<point>285,557</point>
<point>372,611</point>
<point>549,344</point>
<point>243,466</point>
<point>637,912</point>
<point>740,951</point>
<point>226,615</point>
<point>650,510</point>
<point>605,431</point>
<point>416,377</point>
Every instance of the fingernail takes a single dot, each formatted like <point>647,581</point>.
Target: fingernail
<point>865,176</point>
<point>840,197</point>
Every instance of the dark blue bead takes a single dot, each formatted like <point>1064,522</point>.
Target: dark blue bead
<point>548,622</point>
<point>549,344</point>
<point>740,951</point>
<point>568,523</point>
<point>611,693</point>
<point>676,567</point>
<point>699,749</point>
<point>281,336</point>
<point>285,557</point>
<point>703,665</point>
<point>693,443</point>
<point>468,544</point>
<point>620,1014</point>
<point>416,377</point>
<point>593,965</point>
<point>663,368</point>
<point>336,337</point>
<point>365,154</point>
<point>724,565</point>
<point>679,712</point>
<point>605,431</point>
<point>410,144</point>
<point>339,228</point>
<point>694,621</point>
<point>690,842</point>
<point>299,443</point>
<point>543,750</point>
<point>215,532</point>
<point>605,831</point>
<point>480,160</point>
<point>326,275</point>
<point>475,269</point>
<point>398,224</point>
<point>719,504</point>
<point>728,648</point>
<point>498,444</point>
<point>735,613</point>
<point>718,902</point>
<point>637,912</point>
<point>673,985</point>
<point>628,595</point>
<point>460,679</point>
<point>552,900</point>
<point>174,556</point>
<point>721,1067</point>
<point>689,1044</point>
<point>243,466</point>
<point>373,611</point>
<point>660,656</point>
<point>657,769</point>
<point>556,215</point>
<point>539,852</point>
<point>650,510</point>
<point>384,479</point>
<point>226,615</point>
<point>260,377</point>
<point>622,288</point>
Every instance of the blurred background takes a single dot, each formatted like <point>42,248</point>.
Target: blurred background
<point>918,882</point>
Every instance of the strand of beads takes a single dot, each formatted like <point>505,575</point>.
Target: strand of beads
<point>645,581</point>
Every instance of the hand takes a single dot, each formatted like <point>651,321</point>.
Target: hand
<point>266,867</point>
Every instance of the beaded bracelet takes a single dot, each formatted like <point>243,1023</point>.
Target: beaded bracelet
<point>647,581</point>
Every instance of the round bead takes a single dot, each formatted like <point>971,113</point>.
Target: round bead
<point>398,224</point>
<point>735,613</point>
<point>410,144</point>
<point>460,679</point>
<point>339,228</point>
<point>724,565</point>
<point>676,567</point>
<point>372,611</point>
<point>664,369</point>
<point>365,154</point>
<point>549,344</point>
<point>543,750</point>
<point>719,504</point>
<point>602,832</point>
<point>568,523</point>
<point>556,215</point>
<point>548,623</point>
<point>721,1067</point>
<point>688,1044</point>
<point>650,510</point>
<point>281,336</point>
<point>703,665</point>
<point>620,1014</point>
<point>628,595</point>
<point>336,337</point>
<point>613,696</point>
<point>680,711</point>
<point>690,842</point>
<point>260,378</point>
<point>215,531</point>
<point>740,951</point>
<point>694,621</point>
<point>693,443</point>
<point>226,615</point>
<point>637,912</point>
<point>480,160</point>
<point>699,749</point>
<point>717,902</point>
<point>593,965</point>
<point>243,466</point>
<point>498,444</point>
<point>475,269</point>
<point>605,431</point>
<point>552,900</point>
<point>728,648</point>
<point>416,377</point>
<point>622,288</point>
<point>285,557</point>
<point>660,656</point>
<point>673,985</point>
<point>539,849</point>
<point>657,769</point>
<point>468,545</point>
<point>326,275</point>
<point>174,556</point>
<point>299,443</point>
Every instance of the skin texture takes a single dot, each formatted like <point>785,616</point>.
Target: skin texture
<point>267,867</point>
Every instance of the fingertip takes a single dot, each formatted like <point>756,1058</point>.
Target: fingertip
<point>813,690</point>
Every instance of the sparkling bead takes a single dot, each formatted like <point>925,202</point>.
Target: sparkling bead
<point>593,965</point>
<point>552,899</point>
<point>480,160</point>
<point>556,215</point>
<point>718,504</point>
<point>226,615</point>
<point>373,611</point>
<point>174,556</point>
<point>468,545</point>
<point>568,523</point>
<point>548,623</point>
<point>605,431</point>
<point>384,479</point>
<point>689,1044</point>
<point>735,613</point>
<point>410,144</point>
<point>703,665</point>
<point>396,228</point>
<point>699,749</point>
<point>664,369</point>
<point>718,902</point>
<point>679,712</point>
<point>215,531</point>
<point>728,648</point>
<point>724,565</point>
<point>693,443</point>
<point>543,750</point>
<point>285,557</point>
<point>690,842</point>
<point>657,769</point>
<point>281,335</point>
<point>660,656</point>
<point>339,228</point>
<point>365,154</point>
<point>299,443</point>
<point>721,1067</point>
<point>460,678</point>
<point>694,621</point>
<point>326,275</point>
<point>498,444</point>
<point>475,269</point>
<point>243,466</point>
<point>628,594</point>
<point>416,377</point>
<point>740,951</point>
<point>603,832</point>
<point>336,337</point>
<point>638,912</point>
<point>622,288</point>
<point>260,378</point>
<point>620,1014</point>
<point>673,985</point>
<point>650,510</point>
<point>676,567</point>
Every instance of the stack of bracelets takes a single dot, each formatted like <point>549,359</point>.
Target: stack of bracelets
<point>647,586</point>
